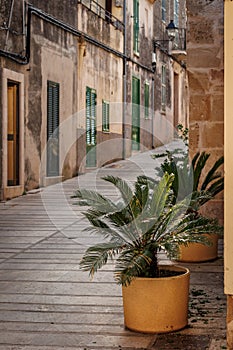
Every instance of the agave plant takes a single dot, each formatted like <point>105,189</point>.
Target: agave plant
<point>138,226</point>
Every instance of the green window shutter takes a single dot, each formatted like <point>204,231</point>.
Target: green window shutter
<point>176,13</point>
<point>52,108</point>
<point>146,99</point>
<point>163,88</point>
<point>52,128</point>
<point>135,135</point>
<point>164,10</point>
<point>105,116</point>
<point>90,116</point>
<point>136,26</point>
<point>90,127</point>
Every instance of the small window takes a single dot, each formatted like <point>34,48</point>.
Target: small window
<point>105,116</point>
<point>164,10</point>
<point>146,99</point>
<point>52,128</point>
<point>176,13</point>
<point>163,88</point>
<point>91,116</point>
<point>136,26</point>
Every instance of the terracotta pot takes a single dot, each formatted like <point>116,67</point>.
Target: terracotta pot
<point>197,252</point>
<point>157,305</point>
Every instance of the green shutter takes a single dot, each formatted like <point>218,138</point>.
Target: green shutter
<point>163,88</point>
<point>105,116</point>
<point>164,10</point>
<point>146,99</point>
<point>52,128</point>
<point>90,127</point>
<point>135,135</point>
<point>136,26</point>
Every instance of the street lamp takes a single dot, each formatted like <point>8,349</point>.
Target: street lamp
<point>171,31</point>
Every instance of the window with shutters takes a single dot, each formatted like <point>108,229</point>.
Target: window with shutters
<point>135,135</point>
<point>146,99</point>
<point>136,26</point>
<point>105,116</point>
<point>90,127</point>
<point>163,88</point>
<point>52,128</point>
<point>90,116</point>
<point>176,13</point>
<point>164,10</point>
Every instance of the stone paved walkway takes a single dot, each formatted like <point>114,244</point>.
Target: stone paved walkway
<point>47,303</point>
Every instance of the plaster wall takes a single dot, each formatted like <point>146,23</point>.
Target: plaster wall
<point>102,72</point>
<point>53,57</point>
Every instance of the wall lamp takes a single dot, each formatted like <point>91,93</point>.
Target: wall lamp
<point>171,31</point>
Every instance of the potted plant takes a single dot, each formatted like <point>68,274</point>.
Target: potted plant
<point>189,179</point>
<point>135,229</point>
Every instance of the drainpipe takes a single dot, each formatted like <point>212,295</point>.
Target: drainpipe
<point>124,80</point>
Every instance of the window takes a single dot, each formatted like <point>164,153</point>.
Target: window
<point>164,10</point>
<point>90,127</point>
<point>163,88</point>
<point>52,129</point>
<point>136,26</point>
<point>176,13</point>
<point>105,116</point>
<point>91,116</point>
<point>146,99</point>
<point>135,135</point>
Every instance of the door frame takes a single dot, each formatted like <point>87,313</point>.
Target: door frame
<point>18,78</point>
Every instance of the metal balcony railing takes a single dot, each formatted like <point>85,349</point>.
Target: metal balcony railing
<point>179,43</point>
<point>101,12</point>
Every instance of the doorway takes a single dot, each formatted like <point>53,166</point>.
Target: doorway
<point>12,134</point>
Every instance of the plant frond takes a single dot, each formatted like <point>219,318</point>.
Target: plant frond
<point>97,256</point>
<point>160,195</point>
<point>212,173</point>
<point>122,186</point>
<point>95,200</point>
<point>198,168</point>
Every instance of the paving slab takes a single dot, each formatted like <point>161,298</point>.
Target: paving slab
<point>47,303</point>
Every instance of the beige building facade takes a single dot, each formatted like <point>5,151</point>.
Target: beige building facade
<point>80,88</point>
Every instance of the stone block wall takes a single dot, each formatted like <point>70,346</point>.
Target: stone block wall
<point>205,64</point>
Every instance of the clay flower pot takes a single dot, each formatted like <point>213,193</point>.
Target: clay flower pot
<point>160,304</point>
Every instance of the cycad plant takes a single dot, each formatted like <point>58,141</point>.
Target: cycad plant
<point>191,176</point>
<point>138,226</point>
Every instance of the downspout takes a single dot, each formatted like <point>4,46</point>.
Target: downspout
<point>124,80</point>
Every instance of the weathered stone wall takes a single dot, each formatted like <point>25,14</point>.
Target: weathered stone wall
<point>205,71</point>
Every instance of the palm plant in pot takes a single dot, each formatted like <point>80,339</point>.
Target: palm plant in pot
<point>135,229</point>
<point>189,180</point>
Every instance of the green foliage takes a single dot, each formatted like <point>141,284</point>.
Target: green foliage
<point>138,226</point>
<point>189,176</point>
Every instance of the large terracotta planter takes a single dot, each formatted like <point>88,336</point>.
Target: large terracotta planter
<point>197,252</point>
<point>157,305</point>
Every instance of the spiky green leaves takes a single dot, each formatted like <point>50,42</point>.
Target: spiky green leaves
<point>137,227</point>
